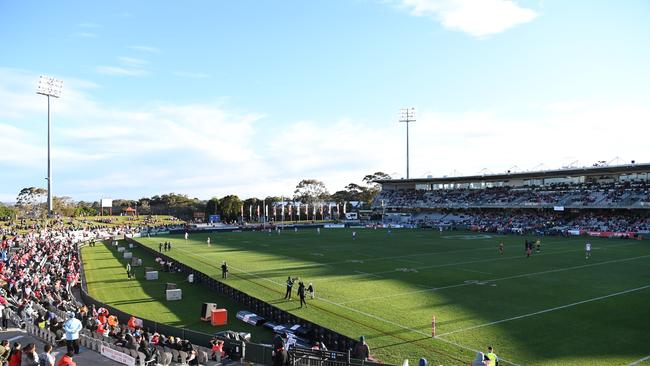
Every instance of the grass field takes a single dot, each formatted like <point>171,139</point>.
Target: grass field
<point>107,282</point>
<point>556,308</point>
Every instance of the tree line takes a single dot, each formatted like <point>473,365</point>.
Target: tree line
<point>309,193</point>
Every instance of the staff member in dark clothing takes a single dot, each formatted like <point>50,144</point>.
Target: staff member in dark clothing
<point>287,295</point>
<point>224,270</point>
<point>301,293</point>
<point>280,357</point>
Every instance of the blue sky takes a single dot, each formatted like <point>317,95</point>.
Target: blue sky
<point>214,97</point>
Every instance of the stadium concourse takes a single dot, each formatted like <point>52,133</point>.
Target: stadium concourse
<point>599,201</point>
<point>39,271</point>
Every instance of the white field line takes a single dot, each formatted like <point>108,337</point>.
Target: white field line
<point>14,338</point>
<point>545,311</point>
<point>406,328</point>
<point>365,314</point>
<point>369,274</point>
<point>639,361</point>
<point>409,261</point>
<point>487,260</point>
<point>432,289</point>
<point>474,271</point>
<point>413,255</point>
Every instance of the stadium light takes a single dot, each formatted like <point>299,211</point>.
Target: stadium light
<point>407,115</point>
<point>50,87</point>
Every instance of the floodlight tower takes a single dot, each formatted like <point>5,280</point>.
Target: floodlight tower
<point>50,87</point>
<point>407,115</point>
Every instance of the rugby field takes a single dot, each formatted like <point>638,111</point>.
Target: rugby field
<point>555,308</point>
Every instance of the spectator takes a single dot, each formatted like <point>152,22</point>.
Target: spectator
<point>30,357</point>
<point>5,349</point>
<point>67,360</point>
<point>16,355</point>
<point>361,350</point>
<point>46,358</point>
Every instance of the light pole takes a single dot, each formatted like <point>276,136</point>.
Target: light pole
<point>50,87</point>
<point>407,115</point>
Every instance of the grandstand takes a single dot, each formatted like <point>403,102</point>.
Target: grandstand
<point>600,198</point>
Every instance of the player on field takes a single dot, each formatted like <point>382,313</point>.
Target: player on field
<point>588,250</point>
<point>538,245</point>
<point>354,235</point>
<point>208,241</point>
<point>187,235</point>
<point>501,248</point>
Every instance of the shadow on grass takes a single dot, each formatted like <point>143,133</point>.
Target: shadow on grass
<point>153,305</point>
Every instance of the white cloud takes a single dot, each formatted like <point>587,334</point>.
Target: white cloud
<point>120,71</point>
<point>205,149</point>
<point>148,49</point>
<point>132,62</point>
<point>479,18</point>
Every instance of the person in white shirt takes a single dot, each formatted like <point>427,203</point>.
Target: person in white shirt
<point>587,250</point>
<point>72,327</point>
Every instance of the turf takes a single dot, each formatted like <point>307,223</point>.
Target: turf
<point>556,308</point>
<point>105,271</point>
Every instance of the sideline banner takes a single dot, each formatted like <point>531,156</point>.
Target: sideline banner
<point>334,226</point>
<point>117,356</point>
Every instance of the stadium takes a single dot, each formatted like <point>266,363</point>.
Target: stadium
<point>223,183</point>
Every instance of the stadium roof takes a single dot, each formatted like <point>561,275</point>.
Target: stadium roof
<point>568,172</point>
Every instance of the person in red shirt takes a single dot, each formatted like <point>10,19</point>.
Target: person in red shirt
<point>66,360</point>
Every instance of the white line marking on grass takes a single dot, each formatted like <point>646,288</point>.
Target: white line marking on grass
<point>366,314</point>
<point>545,311</point>
<point>409,261</point>
<point>473,271</point>
<point>407,328</point>
<point>497,279</point>
<point>369,274</point>
<point>639,361</point>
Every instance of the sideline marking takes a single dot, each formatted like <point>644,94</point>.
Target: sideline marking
<point>366,314</point>
<point>431,289</point>
<point>474,271</point>
<point>369,274</point>
<point>545,311</point>
<point>639,361</point>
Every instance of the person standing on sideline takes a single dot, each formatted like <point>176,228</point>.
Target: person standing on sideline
<point>361,350</point>
<point>160,247</point>
<point>128,270</point>
<point>287,295</point>
<point>494,360</point>
<point>301,293</point>
<point>224,269</point>
<point>72,327</point>
<point>310,289</point>
<point>187,235</point>
<point>501,248</point>
<point>318,230</point>
<point>588,250</point>
<point>354,235</point>
<point>208,241</point>
<point>538,246</point>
